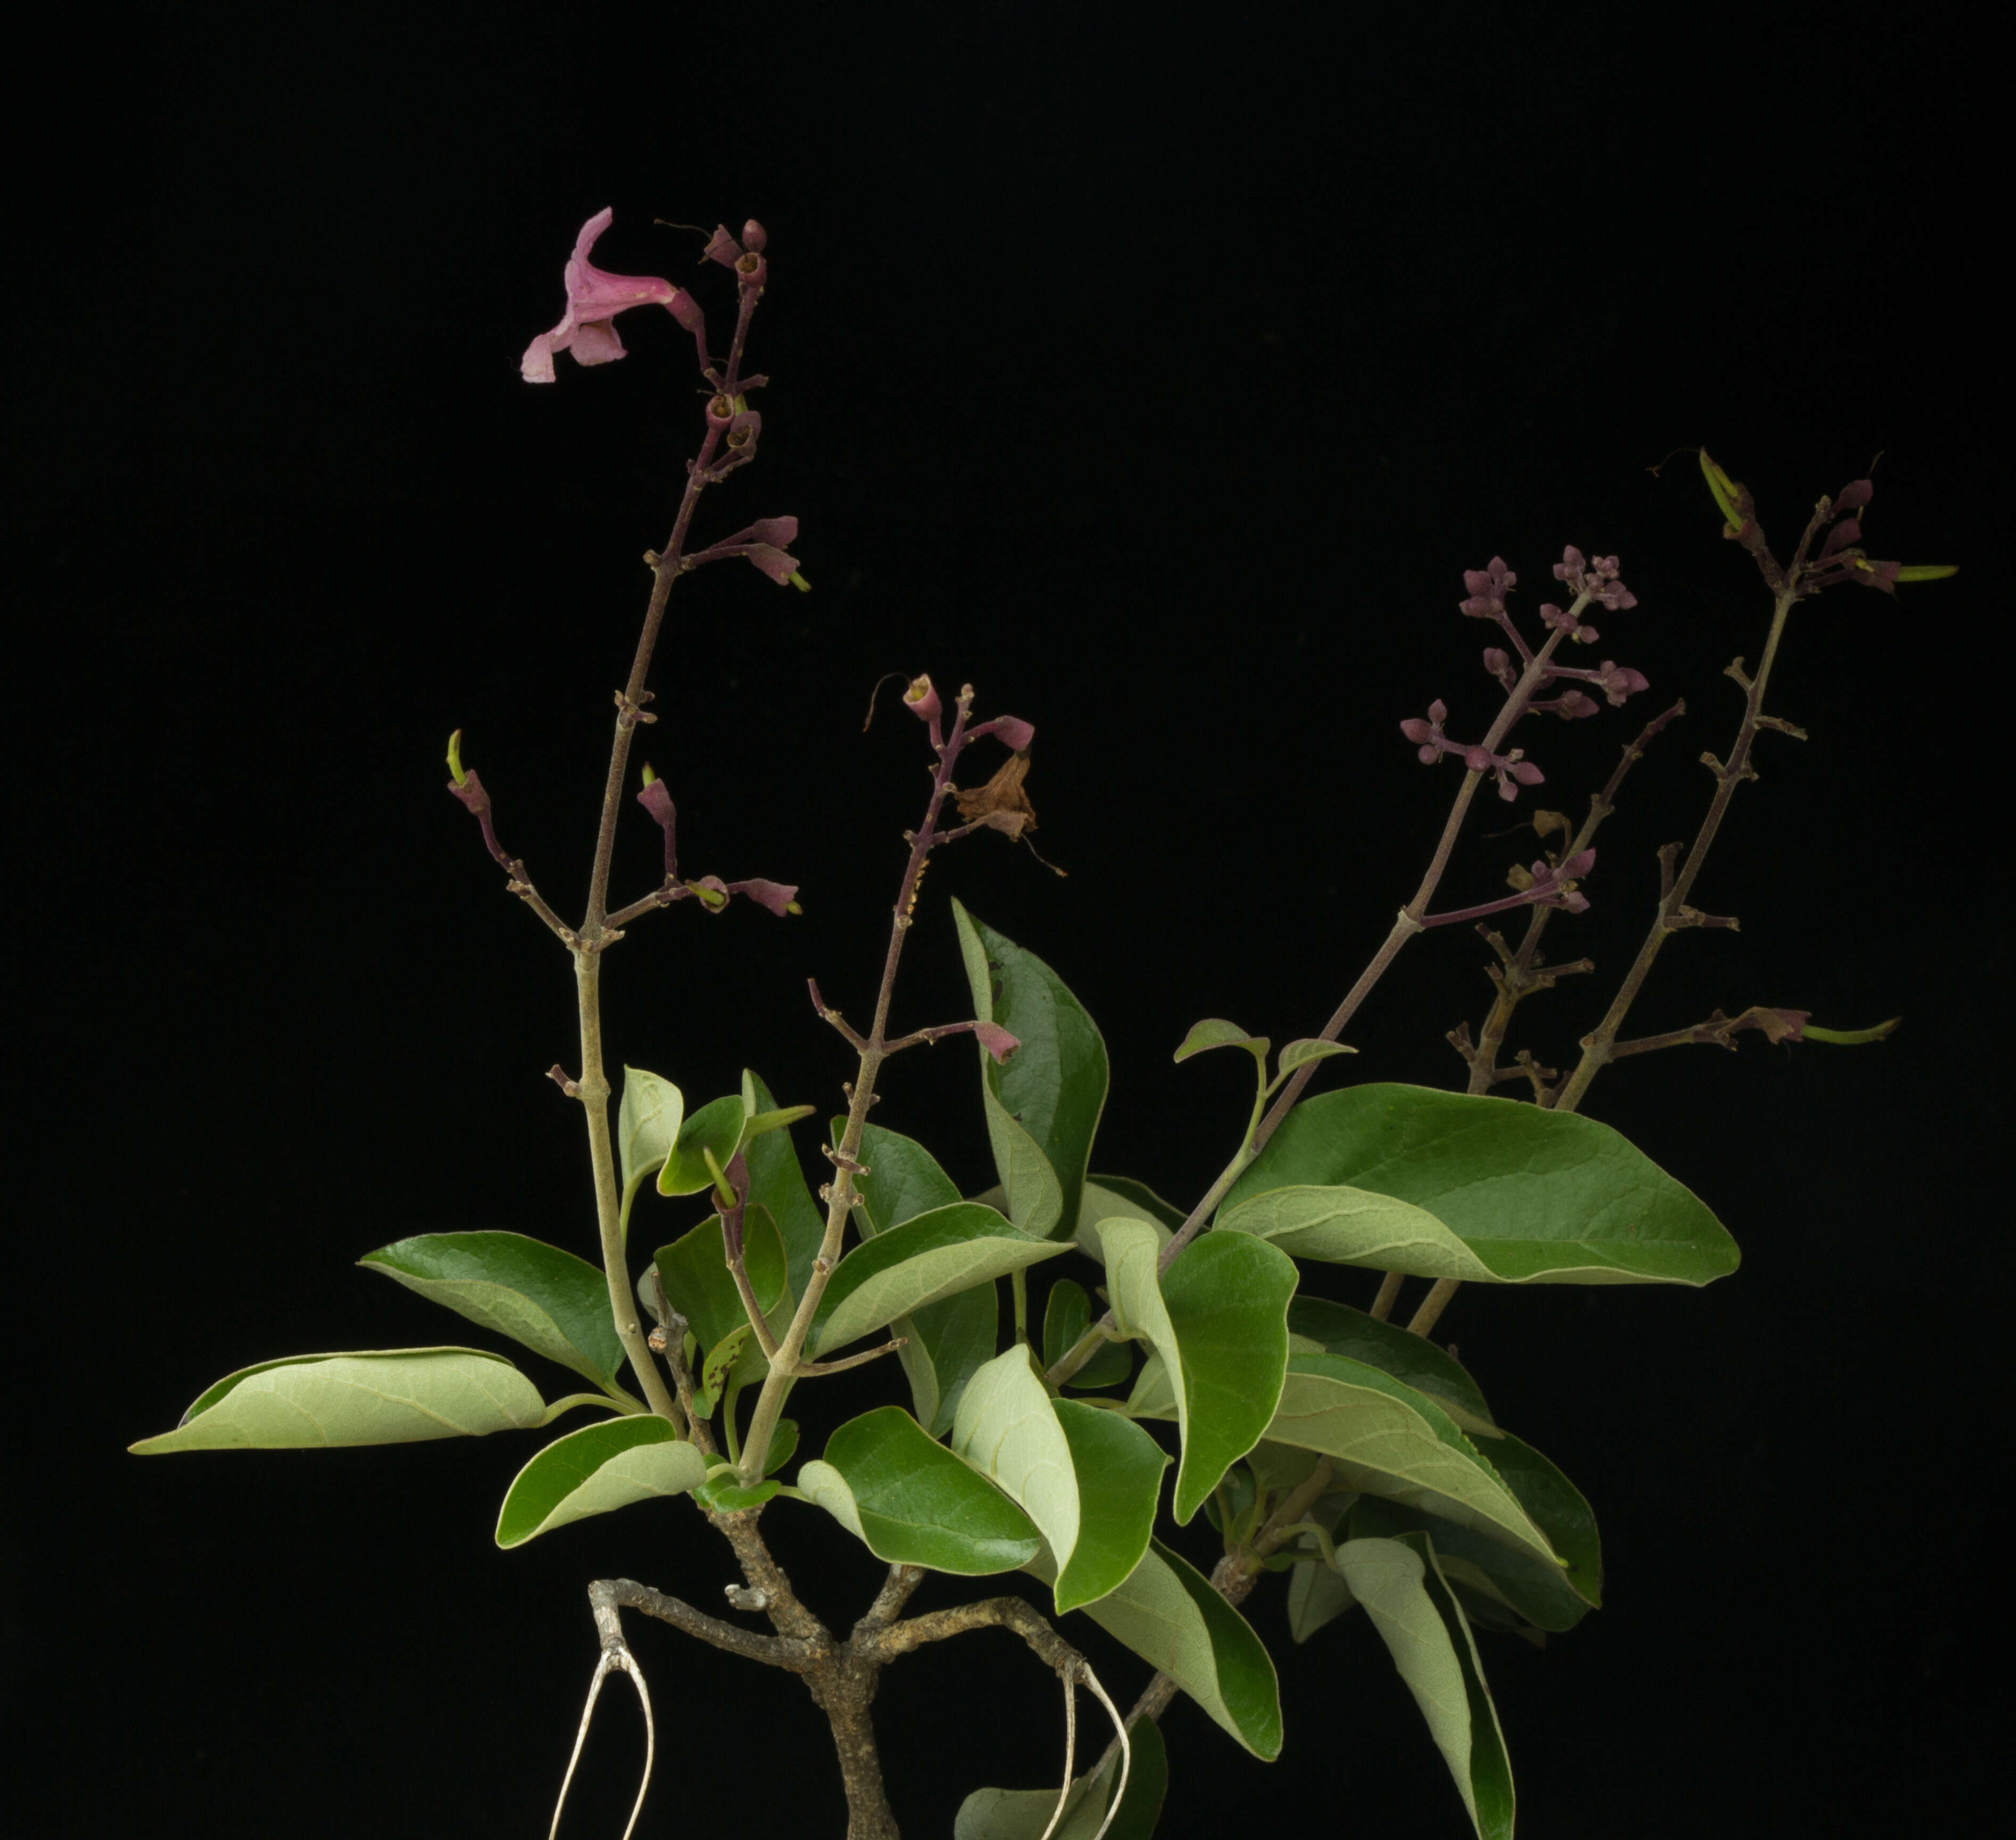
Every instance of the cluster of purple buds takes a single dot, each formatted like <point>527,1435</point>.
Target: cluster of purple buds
<point>1592,581</point>
<point>1553,887</point>
<point>1841,557</point>
<point>1432,744</point>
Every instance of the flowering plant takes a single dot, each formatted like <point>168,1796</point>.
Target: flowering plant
<point>1355,1459</point>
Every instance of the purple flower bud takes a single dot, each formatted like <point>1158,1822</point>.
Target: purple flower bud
<point>656,800</point>
<point>1849,530</point>
<point>1012,733</point>
<point>722,248</point>
<point>1577,866</point>
<point>1571,705</point>
<point>1488,588</point>
<point>779,897</point>
<point>754,235</point>
<point>777,564</point>
<point>1570,568</point>
<point>997,1040</point>
<point>1619,681</point>
<point>1499,663</point>
<point>1853,497</point>
<point>1479,760</point>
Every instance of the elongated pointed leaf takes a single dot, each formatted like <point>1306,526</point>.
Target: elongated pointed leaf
<point>555,1304</point>
<point>1416,1613</point>
<point>1501,1192</point>
<point>647,1125</point>
<point>699,1285</point>
<point>717,1126</point>
<point>911,1502</point>
<point>594,1471</point>
<point>1067,1316</point>
<point>398,1396</point>
<point>1088,1479</point>
<point>1219,1318</point>
<point>1166,1611</point>
<point>1338,1328</point>
<point>934,1256</point>
<point>1025,1814</point>
<point>1317,1597</point>
<point>1385,1438</point>
<point>777,1184</point>
<point>1049,1094</point>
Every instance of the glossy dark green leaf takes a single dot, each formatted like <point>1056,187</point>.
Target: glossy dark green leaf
<point>1416,1613</point>
<point>911,1502</point>
<point>699,1285</point>
<point>717,1126</point>
<point>1166,1611</point>
<point>555,1304</point>
<point>1383,1438</point>
<point>1088,1479</point>
<point>934,1256</point>
<point>397,1395</point>
<point>1025,1814</point>
<point>1051,1090</point>
<point>1219,1318</point>
<point>777,1183</point>
<point>1067,1316</point>
<point>1336,1329</point>
<point>594,1471</point>
<point>1489,1189</point>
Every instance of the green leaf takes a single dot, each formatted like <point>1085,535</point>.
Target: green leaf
<point>723,1492</point>
<point>1928,571</point>
<point>1025,1814</point>
<point>1219,1318</point>
<point>1049,1095</point>
<point>1214,1031</point>
<point>1385,1438</point>
<point>1540,1594</point>
<point>1317,1596</point>
<point>944,1345</point>
<point>1449,1185</point>
<point>1166,1611</point>
<point>777,1183</point>
<point>911,1502</point>
<point>934,1256</point>
<point>1338,1328</point>
<point>555,1304</point>
<point>1067,1316</point>
<point>1300,1054</point>
<point>944,1342</point>
<point>594,1471</point>
<point>1416,1613</point>
<point>903,1179</point>
<point>647,1126</point>
<point>717,1126</point>
<point>699,1285</point>
<point>396,1395</point>
<point>720,1363</point>
<point>1088,1479</point>
<point>1113,1197</point>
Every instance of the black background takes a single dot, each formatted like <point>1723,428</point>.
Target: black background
<point>1159,377</point>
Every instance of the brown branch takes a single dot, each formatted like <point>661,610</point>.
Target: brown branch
<point>898,1588</point>
<point>771,1650</point>
<point>1523,975</point>
<point>1005,1613</point>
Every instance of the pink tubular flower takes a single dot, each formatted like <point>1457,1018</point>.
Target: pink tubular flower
<point>595,298</point>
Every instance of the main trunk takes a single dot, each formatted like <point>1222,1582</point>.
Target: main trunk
<point>843,1693</point>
